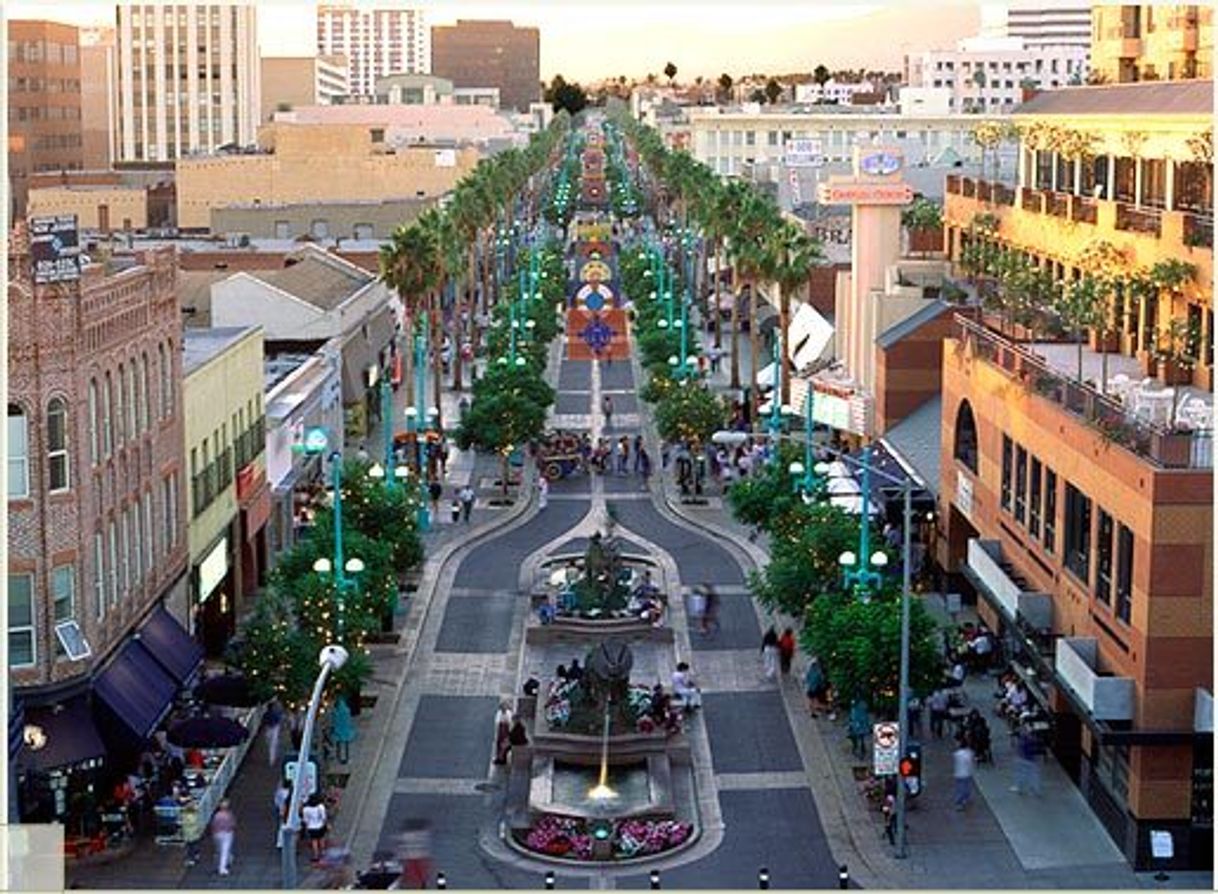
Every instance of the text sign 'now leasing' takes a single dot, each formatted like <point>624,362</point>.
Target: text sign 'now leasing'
<point>886,748</point>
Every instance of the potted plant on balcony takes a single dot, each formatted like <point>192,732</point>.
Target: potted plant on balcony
<point>1079,305</point>
<point>924,220</point>
<point>1176,350</point>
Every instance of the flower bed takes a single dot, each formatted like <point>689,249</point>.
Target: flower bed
<point>559,702</point>
<point>560,836</point>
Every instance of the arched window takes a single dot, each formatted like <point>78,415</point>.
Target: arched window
<point>18,453</point>
<point>94,452</point>
<point>163,406</point>
<point>965,447</point>
<point>57,444</point>
<point>120,413</point>
<point>145,393</point>
<point>169,408</point>
<point>130,389</point>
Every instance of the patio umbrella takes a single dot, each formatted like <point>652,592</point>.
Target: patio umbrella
<point>207,732</point>
<point>842,487</point>
<point>838,469</point>
<point>231,690</point>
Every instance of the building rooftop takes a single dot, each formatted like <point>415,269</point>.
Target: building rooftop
<point>1141,98</point>
<point>200,345</point>
<point>277,367</point>
<point>318,278</point>
<point>916,441</point>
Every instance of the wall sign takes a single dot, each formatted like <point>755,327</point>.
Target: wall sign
<point>880,164</point>
<point>55,248</point>
<point>213,569</point>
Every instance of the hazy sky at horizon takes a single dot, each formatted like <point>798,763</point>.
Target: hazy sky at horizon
<point>589,39</point>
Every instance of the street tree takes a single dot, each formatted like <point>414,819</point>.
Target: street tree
<point>725,86</point>
<point>501,422</point>
<point>689,412</point>
<point>670,72</point>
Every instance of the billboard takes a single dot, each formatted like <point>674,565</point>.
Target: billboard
<point>803,153</point>
<point>55,248</point>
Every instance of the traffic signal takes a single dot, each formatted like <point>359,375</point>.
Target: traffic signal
<point>910,768</point>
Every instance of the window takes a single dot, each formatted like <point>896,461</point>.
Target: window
<point>137,400</point>
<point>1050,510</point>
<point>1021,483</point>
<point>21,620</point>
<point>1008,450</point>
<point>63,596</point>
<point>1124,578</point>
<point>1103,559</point>
<point>965,448</point>
<point>94,451</point>
<point>57,443</point>
<point>146,411</point>
<point>99,575</point>
<point>1077,548</point>
<point>126,535</point>
<point>1112,770</point>
<point>150,541</point>
<point>113,562</point>
<point>1034,498</point>
<point>164,369</point>
<point>18,454</point>
<point>120,418</point>
<point>107,432</point>
<point>137,546</point>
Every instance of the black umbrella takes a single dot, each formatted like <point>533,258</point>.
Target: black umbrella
<point>232,690</point>
<point>207,732</point>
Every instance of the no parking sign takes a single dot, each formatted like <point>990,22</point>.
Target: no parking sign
<point>886,748</point>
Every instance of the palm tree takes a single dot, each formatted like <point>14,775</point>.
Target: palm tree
<point>796,254</point>
<point>407,266</point>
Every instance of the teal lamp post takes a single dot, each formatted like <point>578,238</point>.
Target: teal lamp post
<point>391,471</point>
<point>776,408</point>
<point>804,476</point>
<point>417,425</point>
<point>864,578</point>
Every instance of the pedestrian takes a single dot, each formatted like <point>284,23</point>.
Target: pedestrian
<point>938,712</point>
<point>434,491</point>
<point>814,686</point>
<point>1027,764</point>
<point>313,815</point>
<point>638,454</point>
<point>645,465</point>
<point>607,409</point>
<point>786,650</point>
<point>274,724</point>
<point>684,688</point>
<point>543,491</point>
<point>518,735</point>
<point>283,796</point>
<point>890,818</point>
<point>769,653</point>
<point>415,854</point>
<point>963,764</point>
<point>913,716</point>
<point>503,731</point>
<point>223,828</point>
<point>614,458</point>
<point>466,496</point>
<point>455,510</point>
<point>362,454</point>
<point>858,725</point>
<point>623,456</point>
<point>710,611</point>
<point>697,606</point>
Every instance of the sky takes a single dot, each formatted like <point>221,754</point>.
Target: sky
<point>589,39</point>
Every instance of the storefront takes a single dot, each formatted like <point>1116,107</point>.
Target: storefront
<point>213,612</point>
<point>60,766</point>
<point>254,504</point>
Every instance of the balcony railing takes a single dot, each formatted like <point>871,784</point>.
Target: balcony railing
<point>1198,230</point>
<point>1032,200</point>
<point>1160,445</point>
<point>986,563</point>
<point>1057,204</point>
<point>1139,220</point>
<point>1105,696</point>
<point>1084,210</point>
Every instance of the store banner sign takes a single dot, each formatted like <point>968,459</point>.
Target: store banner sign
<point>55,248</point>
<point>212,569</point>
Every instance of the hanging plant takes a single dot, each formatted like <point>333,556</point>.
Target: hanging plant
<point>1172,274</point>
<point>1201,145</point>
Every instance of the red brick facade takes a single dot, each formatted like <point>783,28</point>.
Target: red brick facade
<point>124,331</point>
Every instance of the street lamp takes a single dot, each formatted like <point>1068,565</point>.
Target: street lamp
<point>854,572</point>
<point>414,426</point>
<point>331,659</point>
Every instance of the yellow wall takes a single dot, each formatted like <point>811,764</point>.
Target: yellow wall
<point>212,394</point>
<point>1169,39</point>
<point>311,164</point>
<point>125,203</point>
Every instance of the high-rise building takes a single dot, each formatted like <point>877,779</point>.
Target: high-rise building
<point>490,54</point>
<point>1050,25</point>
<point>187,79</point>
<point>990,74</point>
<point>1152,42</point>
<point>44,104</point>
<point>288,82</point>
<point>97,79</point>
<point>376,42</point>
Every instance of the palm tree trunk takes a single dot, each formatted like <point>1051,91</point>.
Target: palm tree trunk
<point>715,295</point>
<point>437,362</point>
<point>735,331</point>
<point>784,322</point>
<point>486,274</point>
<point>754,403</point>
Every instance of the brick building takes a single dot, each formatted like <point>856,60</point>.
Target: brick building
<point>44,108</point>
<point>490,54</point>
<point>96,506</point>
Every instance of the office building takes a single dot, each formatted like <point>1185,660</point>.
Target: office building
<point>375,42</point>
<point>98,74</point>
<point>187,79</point>
<point>991,75</point>
<point>1042,25</point>
<point>1076,495</point>
<point>44,104</point>
<point>1153,42</point>
<point>490,54</point>
<point>291,81</point>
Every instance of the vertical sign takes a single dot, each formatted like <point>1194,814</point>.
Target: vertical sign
<point>55,248</point>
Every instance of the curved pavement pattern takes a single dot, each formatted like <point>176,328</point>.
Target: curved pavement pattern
<point>446,773</point>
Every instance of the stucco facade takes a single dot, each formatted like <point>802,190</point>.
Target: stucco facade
<point>101,208</point>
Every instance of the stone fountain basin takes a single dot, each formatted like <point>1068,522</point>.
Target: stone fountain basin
<point>644,788</point>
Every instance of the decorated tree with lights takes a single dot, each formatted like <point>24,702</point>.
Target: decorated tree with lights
<point>386,514</point>
<point>690,413</point>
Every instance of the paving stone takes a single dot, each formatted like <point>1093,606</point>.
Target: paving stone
<point>617,377</point>
<point>738,627</point>
<point>490,563</point>
<point>573,402</point>
<point>749,732</point>
<point>451,737</point>
<point>477,624</point>
<point>575,375</point>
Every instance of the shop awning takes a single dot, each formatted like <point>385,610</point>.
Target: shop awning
<point>66,735</point>
<point>136,689</point>
<point>171,645</point>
